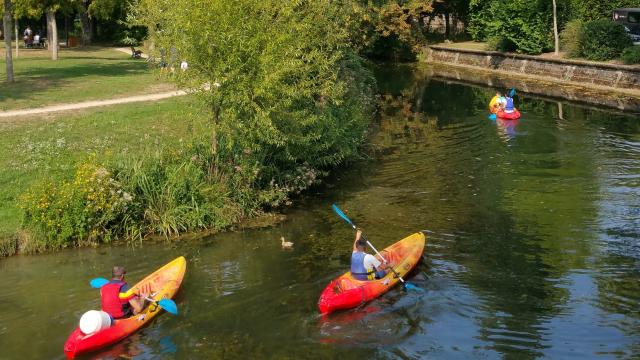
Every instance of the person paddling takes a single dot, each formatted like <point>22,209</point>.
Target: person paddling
<point>365,266</point>
<point>509,108</point>
<point>117,299</point>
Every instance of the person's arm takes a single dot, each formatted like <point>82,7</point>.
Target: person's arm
<point>358,235</point>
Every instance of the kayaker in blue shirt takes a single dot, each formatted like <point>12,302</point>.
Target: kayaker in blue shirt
<point>365,266</point>
<point>509,108</point>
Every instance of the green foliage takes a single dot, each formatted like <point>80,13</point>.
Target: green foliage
<point>587,10</point>
<point>631,55</point>
<point>86,208</point>
<point>572,38</point>
<point>499,43</point>
<point>604,40</point>
<point>286,86</point>
<point>527,24</point>
<point>172,194</point>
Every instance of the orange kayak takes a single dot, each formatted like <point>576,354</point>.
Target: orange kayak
<point>345,292</point>
<point>163,283</point>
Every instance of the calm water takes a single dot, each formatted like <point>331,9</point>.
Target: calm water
<point>533,248</point>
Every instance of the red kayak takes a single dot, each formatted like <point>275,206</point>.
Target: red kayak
<point>345,292</point>
<point>508,116</point>
<point>163,283</point>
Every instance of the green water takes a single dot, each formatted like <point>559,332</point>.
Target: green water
<point>533,248</point>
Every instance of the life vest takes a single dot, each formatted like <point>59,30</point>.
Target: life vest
<point>112,302</point>
<point>358,271</point>
<point>509,107</point>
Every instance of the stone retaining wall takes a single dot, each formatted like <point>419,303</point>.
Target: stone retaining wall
<point>583,72</point>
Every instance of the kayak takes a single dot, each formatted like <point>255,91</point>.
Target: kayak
<point>164,283</point>
<point>508,116</point>
<point>345,292</point>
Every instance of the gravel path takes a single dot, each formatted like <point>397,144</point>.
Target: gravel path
<point>90,104</point>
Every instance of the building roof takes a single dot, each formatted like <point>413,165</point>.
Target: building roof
<point>627,9</point>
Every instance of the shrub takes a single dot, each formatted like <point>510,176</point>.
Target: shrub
<point>71,212</point>
<point>499,43</point>
<point>572,38</point>
<point>631,55</point>
<point>604,40</point>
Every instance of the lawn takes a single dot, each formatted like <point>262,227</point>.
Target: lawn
<point>80,74</point>
<point>48,147</point>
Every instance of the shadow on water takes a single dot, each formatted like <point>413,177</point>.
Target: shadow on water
<point>532,247</point>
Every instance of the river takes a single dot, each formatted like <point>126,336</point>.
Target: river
<point>533,248</point>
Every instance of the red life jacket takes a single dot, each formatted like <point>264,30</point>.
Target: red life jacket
<point>112,303</point>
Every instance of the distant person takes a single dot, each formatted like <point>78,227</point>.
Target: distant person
<point>494,104</point>
<point>36,39</point>
<point>28,35</point>
<point>365,266</point>
<point>508,107</point>
<point>117,298</point>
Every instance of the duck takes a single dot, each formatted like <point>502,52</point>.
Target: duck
<point>286,244</point>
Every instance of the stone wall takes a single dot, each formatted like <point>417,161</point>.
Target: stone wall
<point>543,88</point>
<point>582,72</point>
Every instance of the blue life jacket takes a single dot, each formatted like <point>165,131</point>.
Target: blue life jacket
<point>358,271</point>
<point>509,106</point>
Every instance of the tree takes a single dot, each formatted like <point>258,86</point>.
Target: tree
<point>518,25</point>
<point>7,39</point>
<point>587,10</point>
<point>285,88</point>
<point>556,39</point>
<point>36,8</point>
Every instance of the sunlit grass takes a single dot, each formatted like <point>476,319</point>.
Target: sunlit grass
<point>80,74</point>
<point>40,148</point>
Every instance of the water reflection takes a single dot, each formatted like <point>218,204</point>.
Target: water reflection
<point>532,248</point>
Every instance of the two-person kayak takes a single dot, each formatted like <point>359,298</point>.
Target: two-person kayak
<point>163,283</point>
<point>345,292</point>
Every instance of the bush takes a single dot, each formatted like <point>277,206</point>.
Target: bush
<point>604,40</point>
<point>572,38</point>
<point>631,55</point>
<point>498,43</point>
<point>85,209</point>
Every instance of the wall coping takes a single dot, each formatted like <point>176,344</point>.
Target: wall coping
<point>630,68</point>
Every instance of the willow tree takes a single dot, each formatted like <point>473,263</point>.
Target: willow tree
<point>282,82</point>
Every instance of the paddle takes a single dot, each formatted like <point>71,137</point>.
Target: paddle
<point>512,92</point>
<point>166,304</point>
<point>493,117</point>
<point>405,284</point>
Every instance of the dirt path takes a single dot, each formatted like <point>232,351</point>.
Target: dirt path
<point>90,104</point>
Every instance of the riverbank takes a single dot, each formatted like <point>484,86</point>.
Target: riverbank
<point>603,84</point>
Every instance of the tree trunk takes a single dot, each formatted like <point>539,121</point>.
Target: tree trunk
<point>447,29</point>
<point>87,29</point>
<point>7,39</point>
<point>15,25</point>
<point>555,29</point>
<point>53,35</point>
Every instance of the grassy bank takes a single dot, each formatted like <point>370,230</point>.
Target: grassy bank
<point>48,148</point>
<point>79,74</point>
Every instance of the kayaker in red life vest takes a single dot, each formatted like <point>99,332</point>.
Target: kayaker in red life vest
<point>365,266</point>
<point>117,298</point>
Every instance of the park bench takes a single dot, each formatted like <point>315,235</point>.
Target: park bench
<point>136,54</point>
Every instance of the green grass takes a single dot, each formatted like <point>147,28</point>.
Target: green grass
<point>48,147</point>
<point>79,74</point>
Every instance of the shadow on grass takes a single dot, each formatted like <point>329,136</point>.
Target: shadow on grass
<point>42,76</point>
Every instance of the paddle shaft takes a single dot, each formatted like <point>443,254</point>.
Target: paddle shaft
<point>383,259</point>
<point>348,221</point>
